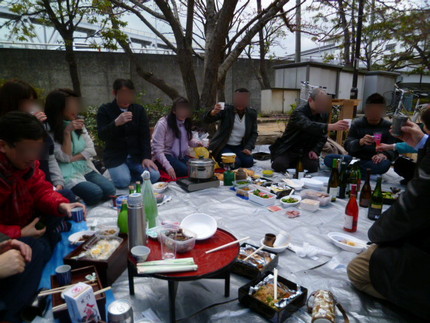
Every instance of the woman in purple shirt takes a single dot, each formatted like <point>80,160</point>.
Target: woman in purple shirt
<point>172,138</point>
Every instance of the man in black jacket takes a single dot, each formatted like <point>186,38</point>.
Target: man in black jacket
<point>305,134</point>
<point>360,142</point>
<point>237,132</point>
<point>397,266</point>
<point>124,126</point>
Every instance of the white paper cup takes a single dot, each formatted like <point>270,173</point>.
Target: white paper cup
<point>222,104</point>
<point>349,122</point>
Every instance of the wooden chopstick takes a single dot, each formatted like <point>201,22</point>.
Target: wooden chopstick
<point>227,245</point>
<point>259,249</point>
<point>50,292</point>
<point>64,306</point>
<point>64,287</point>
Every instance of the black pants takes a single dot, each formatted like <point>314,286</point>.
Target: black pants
<point>405,167</point>
<point>17,292</point>
<point>290,160</point>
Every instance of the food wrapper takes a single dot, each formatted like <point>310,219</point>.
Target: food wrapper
<point>259,260</point>
<point>282,302</point>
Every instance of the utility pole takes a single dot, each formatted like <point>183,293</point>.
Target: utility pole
<point>354,89</point>
<point>298,33</point>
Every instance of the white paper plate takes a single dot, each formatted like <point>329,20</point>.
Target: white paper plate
<point>273,249</point>
<point>201,224</point>
<point>74,238</point>
<point>337,237</point>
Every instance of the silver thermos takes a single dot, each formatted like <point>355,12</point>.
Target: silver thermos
<point>136,221</point>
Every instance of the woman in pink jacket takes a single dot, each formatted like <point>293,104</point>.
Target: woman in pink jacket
<point>172,138</point>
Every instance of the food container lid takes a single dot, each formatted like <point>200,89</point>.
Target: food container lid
<point>201,162</point>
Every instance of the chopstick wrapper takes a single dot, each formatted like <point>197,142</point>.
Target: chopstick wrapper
<point>167,266</point>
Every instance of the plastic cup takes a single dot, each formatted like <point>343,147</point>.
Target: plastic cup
<point>399,120</point>
<point>378,137</point>
<point>168,246</point>
<point>64,275</point>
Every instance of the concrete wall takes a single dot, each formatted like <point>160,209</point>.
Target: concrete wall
<point>48,70</point>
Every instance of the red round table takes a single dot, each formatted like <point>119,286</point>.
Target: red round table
<point>214,265</point>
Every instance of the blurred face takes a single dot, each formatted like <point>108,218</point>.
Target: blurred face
<point>125,97</point>
<point>321,104</point>
<point>182,111</point>
<point>241,100</point>
<point>374,112</point>
<point>72,108</point>
<point>29,106</point>
<point>22,154</point>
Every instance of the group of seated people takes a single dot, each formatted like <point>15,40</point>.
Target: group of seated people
<point>46,166</point>
<point>46,161</point>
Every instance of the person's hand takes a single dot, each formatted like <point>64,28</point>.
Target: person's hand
<point>59,187</point>
<point>41,116</point>
<point>25,249</point>
<point>11,263</point>
<point>66,208</point>
<point>217,108</point>
<point>77,157</point>
<point>77,124</point>
<point>411,134</point>
<point>123,118</point>
<point>247,152</point>
<point>171,173</point>
<point>341,125</point>
<point>367,140</point>
<point>148,163</point>
<point>378,158</point>
<point>313,155</point>
<point>31,231</point>
<point>385,147</point>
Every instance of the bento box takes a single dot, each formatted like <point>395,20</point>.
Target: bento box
<point>296,299</point>
<point>256,266</point>
<point>110,268</point>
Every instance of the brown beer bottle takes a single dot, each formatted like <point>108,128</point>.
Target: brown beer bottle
<point>366,191</point>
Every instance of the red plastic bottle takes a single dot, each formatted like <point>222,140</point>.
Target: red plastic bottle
<point>351,211</point>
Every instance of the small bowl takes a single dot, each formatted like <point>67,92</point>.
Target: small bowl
<point>159,197</point>
<point>202,224</point>
<point>108,230</point>
<point>275,248</point>
<point>141,253</point>
<point>268,173</point>
<point>160,187</point>
<point>288,204</point>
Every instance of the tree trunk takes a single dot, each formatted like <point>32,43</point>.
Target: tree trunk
<point>346,35</point>
<point>73,66</point>
<point>185,61</point>
<point>265,80</point>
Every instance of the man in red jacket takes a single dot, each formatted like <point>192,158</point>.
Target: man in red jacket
<point>25,197</point>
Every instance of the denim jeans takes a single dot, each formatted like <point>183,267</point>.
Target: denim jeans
<point>375,169</point>
<point>242,159</point>
<point>179,165</point>
<point>96,189</point>
<point>129,172</point>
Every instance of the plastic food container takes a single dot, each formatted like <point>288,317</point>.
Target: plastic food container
<point>309,205</point>
<point>270,200</point>
<point>182,246</point>
<point>241,183</point>
<point>322,197</point>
